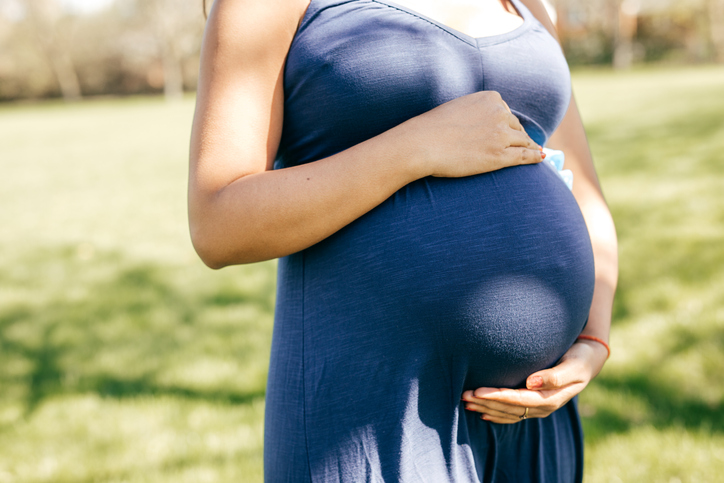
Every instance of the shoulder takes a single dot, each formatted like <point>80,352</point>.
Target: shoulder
<point>260,25</point>
<point>538,9</point>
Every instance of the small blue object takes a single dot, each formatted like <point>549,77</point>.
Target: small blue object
<point>555,159</point>
<point>567,176</point>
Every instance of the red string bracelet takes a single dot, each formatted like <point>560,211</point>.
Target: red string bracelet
<point>595,339</point>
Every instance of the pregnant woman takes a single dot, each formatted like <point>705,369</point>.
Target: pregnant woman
<point>442,295</point>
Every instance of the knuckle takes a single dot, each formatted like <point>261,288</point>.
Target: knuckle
<point>493,97</point>
<point>495,141</point>
<point>503,132</point>
<point>485,96</point>
<point>553,380</point>
<point>498,151</point>
<point>554,405</point>
<point>526,156</point>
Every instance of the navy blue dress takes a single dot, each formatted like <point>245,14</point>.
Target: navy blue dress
<point>448,285</point>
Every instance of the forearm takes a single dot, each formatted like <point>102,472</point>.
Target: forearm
<point>275,213</point>
<point>603,240</point>
<point>240,211</point>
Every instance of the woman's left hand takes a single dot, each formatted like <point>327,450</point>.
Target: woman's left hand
<point>546,390</point>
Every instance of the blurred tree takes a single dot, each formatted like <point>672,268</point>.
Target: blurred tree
<point>587,29</point>
<point>175,28</point>
<point>716,27</point>
<point>53,31</point>
<point>623,52</point>
<point>623,32</point>
<point>50,48</point>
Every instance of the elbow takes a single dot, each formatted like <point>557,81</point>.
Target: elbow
<point>219,242</point>
<point>205,236</point>
<point>208,240</point>
<point>212,262</point>
<point>217,250</point>
<point>206,249</point>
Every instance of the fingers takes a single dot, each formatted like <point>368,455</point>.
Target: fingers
<point>500,403</point>
<point>512,403</point>
<point>522,149</point>
<point>515,155</point>
<point>564,374</point>
<point>512,397</point>
<point>502,417</point>
<point>495,420</point>
<point>521,139</point>
<point>502,413</point>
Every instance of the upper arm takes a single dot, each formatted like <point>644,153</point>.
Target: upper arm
<point>239,107</point>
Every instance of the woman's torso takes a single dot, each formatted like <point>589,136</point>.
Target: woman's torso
<point>454,251</point>
<point>450,284</point>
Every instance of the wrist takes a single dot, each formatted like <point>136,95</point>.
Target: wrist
<point>594,354</point>
<point>595,340</point>
<point>411,149</point>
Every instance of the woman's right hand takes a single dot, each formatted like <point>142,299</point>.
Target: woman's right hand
<point>469,135</point>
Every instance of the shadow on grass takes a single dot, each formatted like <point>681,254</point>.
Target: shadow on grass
<point>178,466</point>
<point>666,407</point>
<point>125,388</point>
<point>655,396</point>
<point>686,262</point>
<point>122,329</point>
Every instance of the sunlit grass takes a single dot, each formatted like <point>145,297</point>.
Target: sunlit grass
<point>658,455</point>
<point>124,359</point>
<point>656,412</point>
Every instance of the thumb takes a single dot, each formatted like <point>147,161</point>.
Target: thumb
<point>556,377</point>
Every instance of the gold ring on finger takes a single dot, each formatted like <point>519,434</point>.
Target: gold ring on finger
<point>525,414</point>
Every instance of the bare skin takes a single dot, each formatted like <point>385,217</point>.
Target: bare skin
<point>241,211</point>
<point>472,17</point>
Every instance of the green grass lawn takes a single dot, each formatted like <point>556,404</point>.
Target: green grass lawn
<point>124,359</point>
<point>656,412</point>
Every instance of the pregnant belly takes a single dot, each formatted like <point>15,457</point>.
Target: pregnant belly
<point>488,277</point>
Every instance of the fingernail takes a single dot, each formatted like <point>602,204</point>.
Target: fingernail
<point>484,417</point>
<point>468,408</point>
<point>542,155</point>
<point>534,382</point>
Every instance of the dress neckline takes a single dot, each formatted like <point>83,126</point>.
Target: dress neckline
<point>522,13</point>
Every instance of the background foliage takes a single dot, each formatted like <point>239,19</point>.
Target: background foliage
<point>74,48</point>
<point>124,359</point>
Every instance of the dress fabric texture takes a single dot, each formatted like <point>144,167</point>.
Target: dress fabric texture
<point>448,285</point>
